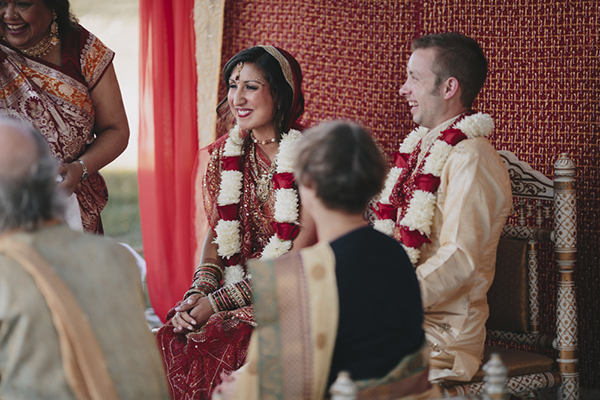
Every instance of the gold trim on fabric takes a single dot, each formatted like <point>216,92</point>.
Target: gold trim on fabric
<point>281,362</point>
<point>208,27</point>
<point>283,62</point>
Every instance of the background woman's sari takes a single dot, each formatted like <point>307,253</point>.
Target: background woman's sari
<point>56,100</point>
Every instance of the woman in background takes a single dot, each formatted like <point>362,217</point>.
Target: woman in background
<point>253,209</point>
<point>60,78</point>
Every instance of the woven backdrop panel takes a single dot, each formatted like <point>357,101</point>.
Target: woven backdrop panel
<point>542,89</point>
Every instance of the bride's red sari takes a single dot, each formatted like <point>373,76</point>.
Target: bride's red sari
<point>194,361</point>
<point>56,100</point>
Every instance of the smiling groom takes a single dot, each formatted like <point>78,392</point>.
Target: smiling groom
<point>447,199</point>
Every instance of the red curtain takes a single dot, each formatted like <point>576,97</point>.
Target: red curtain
<point>168,146</point>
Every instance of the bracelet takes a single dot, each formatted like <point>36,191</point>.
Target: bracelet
<point>193,291</point>
<point>84,174</point>
<point>212,303</point>
<point>207,278</point>
<point>215,266</point>
<point>233,296</point>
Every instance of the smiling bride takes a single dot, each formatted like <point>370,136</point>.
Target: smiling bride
<point>252,205</point>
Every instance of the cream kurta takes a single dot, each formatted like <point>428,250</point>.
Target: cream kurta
<point>457,268</point>
<point>103,278</point>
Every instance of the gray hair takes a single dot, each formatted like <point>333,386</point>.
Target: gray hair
<point>30,198</point>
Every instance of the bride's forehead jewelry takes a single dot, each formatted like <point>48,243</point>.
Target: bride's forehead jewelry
<point>239,68</point>
<point>259,80</point>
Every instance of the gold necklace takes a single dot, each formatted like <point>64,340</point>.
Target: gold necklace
<point>44,45</point>
<point>263,142</point>
<point>263,181</point>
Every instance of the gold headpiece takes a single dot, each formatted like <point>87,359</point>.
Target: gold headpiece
<point>283,63</point>
<point>239,68</point>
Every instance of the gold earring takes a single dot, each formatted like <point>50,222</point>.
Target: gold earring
<point>54,29</point>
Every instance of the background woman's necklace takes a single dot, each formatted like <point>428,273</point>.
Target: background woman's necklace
<point>44,45</point>
<point>263,180</point>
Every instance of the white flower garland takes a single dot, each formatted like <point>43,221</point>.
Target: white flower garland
<point>286,200</point>
<point>409,144</point>
<point>228,236</point>
<point>421,208</point>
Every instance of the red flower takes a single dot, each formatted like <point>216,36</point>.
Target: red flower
<point>401,159</point>
<point>385,211</point>
<point>453,136</point>
<point>232,163</point>
<point>412,238</point>
<point>234,259</point>
<point>228,212</point>
<point>286,231</point>
<point>284,180</point>
<point>427,182</point>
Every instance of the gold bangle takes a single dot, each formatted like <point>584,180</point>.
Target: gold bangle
<point>193,291</point>
<point>212,303</point>
<point>210,265</point>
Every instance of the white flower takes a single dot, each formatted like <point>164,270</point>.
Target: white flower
<point>286,205</point>
<point>233,274</point>
<point>228,238</point>
<point>437,158</point>
<point>390,182</point>
<point>476,125</point>
<point>285,156</point>
<point>231,188</point>
<point>386,226</point>
<point>419,214</point>
<point>234,143</point>
<point>275,248</point>
<point>228,233</point>
<point>410,143</point>
<point>413,254</point>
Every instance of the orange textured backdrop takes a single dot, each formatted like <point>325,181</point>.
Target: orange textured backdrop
<point>542,89</point>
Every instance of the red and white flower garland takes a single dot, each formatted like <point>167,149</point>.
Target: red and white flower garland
<point>228,233</point>
<point>415,194</point>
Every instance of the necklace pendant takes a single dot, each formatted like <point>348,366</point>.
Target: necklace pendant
<point>263,189</point>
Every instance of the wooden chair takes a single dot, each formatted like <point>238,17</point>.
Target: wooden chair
<point>514,295</point>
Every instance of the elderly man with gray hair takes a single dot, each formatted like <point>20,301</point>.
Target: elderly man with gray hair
<point>72,320</point>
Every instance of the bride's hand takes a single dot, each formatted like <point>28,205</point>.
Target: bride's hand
<point>181,321</point>
<point>189,303</point>
<point>202,311</point>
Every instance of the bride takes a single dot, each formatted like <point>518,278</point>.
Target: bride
<point>252,205</point>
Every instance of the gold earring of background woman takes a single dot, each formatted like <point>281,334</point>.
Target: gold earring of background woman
<point>47,42</point>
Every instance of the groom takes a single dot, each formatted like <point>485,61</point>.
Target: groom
<point>448,198</point>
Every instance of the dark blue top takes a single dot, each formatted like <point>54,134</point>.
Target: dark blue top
<point>381,313</point>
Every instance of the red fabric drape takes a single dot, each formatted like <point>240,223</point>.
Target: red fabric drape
<point>168,145</point>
